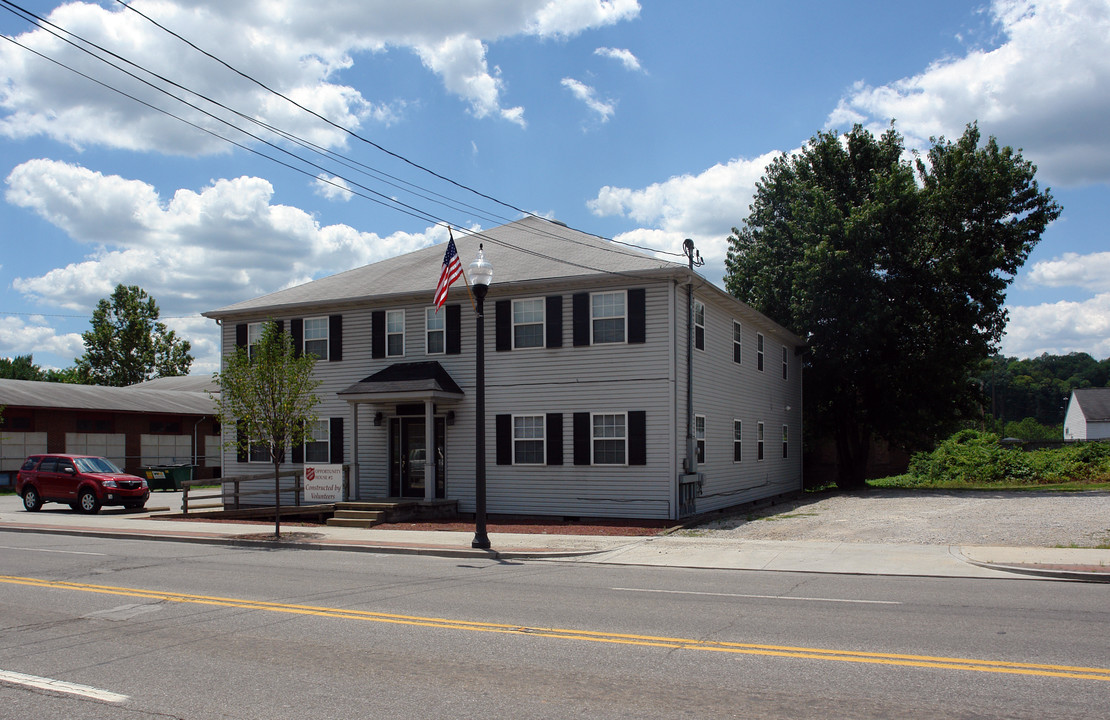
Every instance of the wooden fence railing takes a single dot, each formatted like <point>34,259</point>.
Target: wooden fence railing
<point>231,498</point>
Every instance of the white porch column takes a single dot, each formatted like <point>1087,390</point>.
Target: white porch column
<point>429,450</point>
<point>354,492</point>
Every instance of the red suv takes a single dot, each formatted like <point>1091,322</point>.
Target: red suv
<point>85,482</point>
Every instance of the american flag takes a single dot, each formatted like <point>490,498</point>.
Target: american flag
<point>452,270</point>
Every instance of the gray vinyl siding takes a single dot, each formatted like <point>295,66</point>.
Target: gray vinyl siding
<point>725,391</point>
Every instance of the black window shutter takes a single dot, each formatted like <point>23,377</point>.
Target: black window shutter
<point>240,448</point>
<point>454,329</point>
<point>337,441</point>
<point>296,329</point>
<point>280,326</point>
<point>335,338</point>
<point>637,437</point>
<point>504,430</point>
<point>581,438</point>
<point>554,313</point>
<point>241,335</point>
<point>504,325</point>
<point>580,308</point>
<point>298,454</point>
<point>637,315</point>
<point>377,334</point>
<point>554,438</point>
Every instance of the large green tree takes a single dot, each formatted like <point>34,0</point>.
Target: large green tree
<point>895,270</point>
<point>23,367</point>
<point>267,393</point>
<point>128,344</point>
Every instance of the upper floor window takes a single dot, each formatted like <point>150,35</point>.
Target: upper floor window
<point>528,440</point>
<point>607,317</point>
<point>759,352</point>
<point>394,333</point>
<point>317,446</point>
<point>785,363</point>
<point>528,323</point>
<point>435,328</point>
<point>736,341</point>
<point>316,337</point>
<point>254,336</point>
<point>699,325</point>
<point>609,438</point>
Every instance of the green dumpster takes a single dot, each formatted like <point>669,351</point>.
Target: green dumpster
<point>167,477</point>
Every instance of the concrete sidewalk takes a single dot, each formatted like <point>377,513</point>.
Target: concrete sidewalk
<point>673,550</point>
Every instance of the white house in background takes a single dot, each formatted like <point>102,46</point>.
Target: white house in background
<point>1088,416</point>
<point>586,380</point>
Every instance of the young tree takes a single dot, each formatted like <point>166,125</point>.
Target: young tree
<point>128,344</point>
<point>895,272</point>
<point>267,394</point>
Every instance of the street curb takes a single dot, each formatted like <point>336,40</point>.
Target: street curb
<point>432,551</point>
<point>1042,572</point>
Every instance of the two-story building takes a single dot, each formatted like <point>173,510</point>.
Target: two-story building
<point>585,374</point>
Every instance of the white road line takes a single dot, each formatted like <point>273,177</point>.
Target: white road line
<point>61,686</point>
<point>64,552</point>
<point>760,597</point>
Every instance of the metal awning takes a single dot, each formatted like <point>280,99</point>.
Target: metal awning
<point>405,382</point>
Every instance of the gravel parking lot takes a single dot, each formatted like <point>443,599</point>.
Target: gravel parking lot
<point>1019,519</point>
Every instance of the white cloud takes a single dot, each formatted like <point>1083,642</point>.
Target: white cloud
<point>33,334</point>
<point>332,188</point>
<point>294,47</point>
<point>588,95</point>
<point>1091,271</point>
<point>1059,328</point>
<point>196,251</point>
<point>1046,89</point>
<point>703,207</point>
<point>625,57</point>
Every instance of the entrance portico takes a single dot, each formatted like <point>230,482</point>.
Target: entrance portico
<point>410,394</point>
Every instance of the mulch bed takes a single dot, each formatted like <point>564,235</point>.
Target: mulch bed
<point>613,527</point>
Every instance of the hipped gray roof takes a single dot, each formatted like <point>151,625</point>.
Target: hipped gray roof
<point>1095,403</point>
<point>64,396</point>
<point>406,379</point>
<point>531,249</point>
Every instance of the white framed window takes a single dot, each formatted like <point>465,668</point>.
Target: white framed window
<point>737,343</point>
<point>699,325</point>
<point>608,317</point>
<point>528,323</point>
<point>785,363</point>
<point>737,444</point>
<point>254,336</point>
<point>394,333</point>
<point>759,352</point>
<point>759,441</point>
<point>785,440</point>
<point>316,337</point>
<point>699,436</point>
<point>435,331</point>
<point>259,452</point>
<point>529,440</point>
<point>317,446</point>
<point>609,438</point>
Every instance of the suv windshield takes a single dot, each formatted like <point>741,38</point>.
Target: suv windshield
<point>96,465</point>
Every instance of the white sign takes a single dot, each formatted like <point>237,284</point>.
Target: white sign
<point>323,483</point>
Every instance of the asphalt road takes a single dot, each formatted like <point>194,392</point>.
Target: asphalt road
<point>188,631</point>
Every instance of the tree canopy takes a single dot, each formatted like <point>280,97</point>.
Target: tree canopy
<point>894,270</point>
<point>23,367</point>
<point>128,344</point>
<point>267,393</point>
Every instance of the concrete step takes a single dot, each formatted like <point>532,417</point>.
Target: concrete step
<point>374,515</point>
<point>351,522</point>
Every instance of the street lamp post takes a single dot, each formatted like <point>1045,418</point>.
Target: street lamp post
<point>481,274</point>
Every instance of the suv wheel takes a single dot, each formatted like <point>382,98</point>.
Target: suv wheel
<point>31,499</point>
<point>88,503</point>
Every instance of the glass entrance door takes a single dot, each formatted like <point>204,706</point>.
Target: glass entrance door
<point>408,455</point>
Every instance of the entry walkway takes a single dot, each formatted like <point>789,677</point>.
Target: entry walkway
<point>673,550</point>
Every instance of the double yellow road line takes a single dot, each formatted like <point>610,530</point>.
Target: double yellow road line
<point>673,643</point>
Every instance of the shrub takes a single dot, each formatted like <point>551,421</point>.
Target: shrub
<point>970,457</point>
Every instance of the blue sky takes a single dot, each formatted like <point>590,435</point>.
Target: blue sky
<point>646,121</point>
